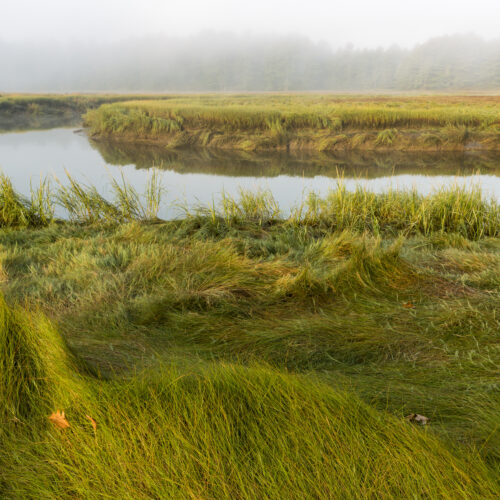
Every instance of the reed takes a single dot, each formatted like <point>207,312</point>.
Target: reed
<point>17,210</point>
<point>451,210</point>
<point>461,210</point>
<point>85,204</point>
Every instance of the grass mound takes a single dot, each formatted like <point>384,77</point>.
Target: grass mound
<point>34,365</point>
<point>211,431</point>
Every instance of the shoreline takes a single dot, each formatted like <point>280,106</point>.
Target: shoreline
<point>411,141</point>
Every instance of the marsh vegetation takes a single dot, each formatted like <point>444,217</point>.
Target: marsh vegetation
<point>310,122</point>
<point>39,111</point>
<point>238,352</point>
<point>246,351</point>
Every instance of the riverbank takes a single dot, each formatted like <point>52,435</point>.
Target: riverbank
<point>45,111</point>
<point>305,123</point>
<point>462,210</point>
<point>235,353</point>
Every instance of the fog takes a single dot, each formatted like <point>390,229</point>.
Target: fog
<point>221,45</point>
<point>365,23</point>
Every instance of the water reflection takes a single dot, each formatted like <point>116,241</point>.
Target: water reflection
<point>271,164</point>
<point>192,176</point>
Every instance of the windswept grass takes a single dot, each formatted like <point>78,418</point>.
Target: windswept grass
<point>303,122</point>
<point>240,353</point>
<point>212,431</point>
<point>35,369</point>
<point>79,202</point>
<point>16,210</point>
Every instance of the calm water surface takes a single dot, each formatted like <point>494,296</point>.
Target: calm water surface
<point>199,177</point>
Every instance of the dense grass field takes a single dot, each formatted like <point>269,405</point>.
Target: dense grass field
<point>238,353</point>
<point>305,122</point>
<point>314,122</point>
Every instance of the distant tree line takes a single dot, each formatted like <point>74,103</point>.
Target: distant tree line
<point>221,62</point>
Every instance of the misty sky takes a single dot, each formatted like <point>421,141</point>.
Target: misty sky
<point>365,23</point>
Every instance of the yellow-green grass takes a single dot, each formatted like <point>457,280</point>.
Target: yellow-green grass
<point>318,122</point>
<point>461,210</point>
<point>210,430</point>
<point>39,103</point>
<point>238,353</point>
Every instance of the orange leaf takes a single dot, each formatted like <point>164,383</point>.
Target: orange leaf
<point>409,305</point>
<point>59,420</point>
<point>92,422</point>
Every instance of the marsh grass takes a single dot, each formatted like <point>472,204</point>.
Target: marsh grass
<point>19,211</point>
<point>297,112</point>
<point>457,210</point>
<point>39,111</point>
<point>213,431</point>
<point>302,122</point>
<point>80,203</point>
<point>14,210</point>
<point>237,352</point>
<point>85,204</point>
<point>386,137</point>
<point>460,210</point>
<point>41,202</point>
<point>34,366</point>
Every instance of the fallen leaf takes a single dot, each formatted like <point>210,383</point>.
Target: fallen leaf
<point>409,305</point>
<point>417,419</point>
<point>92,422</point>
<point>59,420</point>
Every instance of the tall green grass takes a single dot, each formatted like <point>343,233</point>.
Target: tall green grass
<point>17,210</point>
<point>460,210</point>
<point>34,366</point>
<point>208,431</point>
<point>281,353</point>
<point>79,202</point>
<point>450,210</point>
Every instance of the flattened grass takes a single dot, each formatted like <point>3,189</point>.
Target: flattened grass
<point>214,431</point>
<point>237,353</point>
